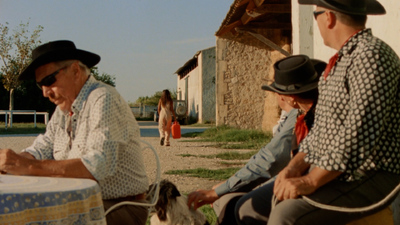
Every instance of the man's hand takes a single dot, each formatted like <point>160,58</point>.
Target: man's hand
<point>291,188</point>
<point>289,183</point>
<point>201,197</point>
<point>13,163</point>
<point>26,164</point>
<point>286,173</point>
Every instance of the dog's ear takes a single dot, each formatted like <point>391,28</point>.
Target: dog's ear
<point>171,189</point>
<point>162,214</point>
<point>175,193</point>
<point>161,207</point>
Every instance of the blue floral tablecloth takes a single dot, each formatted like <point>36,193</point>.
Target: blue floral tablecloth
<point>47,201</point>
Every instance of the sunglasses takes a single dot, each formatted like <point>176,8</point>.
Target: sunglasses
<point>317,13</point>
<point>49,79</point>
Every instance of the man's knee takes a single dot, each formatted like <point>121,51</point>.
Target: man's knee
<point>224,208</point>
<point>246,213</point>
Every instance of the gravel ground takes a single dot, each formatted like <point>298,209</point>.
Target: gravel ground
<point>170,159</point>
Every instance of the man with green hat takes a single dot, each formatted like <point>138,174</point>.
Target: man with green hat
<point>350,159</point>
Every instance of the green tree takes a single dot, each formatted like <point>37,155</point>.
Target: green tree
<point>16,54</point>
<point>105,77</point>
<point>153,100</point>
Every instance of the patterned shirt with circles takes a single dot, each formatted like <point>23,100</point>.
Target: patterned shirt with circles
<point>357,120</point>
<point>103,132</point>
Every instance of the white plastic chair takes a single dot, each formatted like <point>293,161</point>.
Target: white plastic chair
<point>153,193</point>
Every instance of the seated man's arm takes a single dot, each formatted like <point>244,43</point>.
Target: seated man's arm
<point>266,163</point>
<point>290,183</point>
<point>25,164</point>
<point>27,155</point>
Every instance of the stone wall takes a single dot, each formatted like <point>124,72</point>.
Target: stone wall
<point>241,70</point>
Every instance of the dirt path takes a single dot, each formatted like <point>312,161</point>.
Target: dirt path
<point>170,159</point>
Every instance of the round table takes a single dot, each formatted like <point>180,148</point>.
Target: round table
<point>50,200</point>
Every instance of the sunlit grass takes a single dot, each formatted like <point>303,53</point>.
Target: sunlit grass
<point>232,138</point>
<point>219,174</point>
<point>207,211</point>
<point>22,128</point>
<point>231,155</point>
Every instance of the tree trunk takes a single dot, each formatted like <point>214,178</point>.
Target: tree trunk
<point>11,104</point>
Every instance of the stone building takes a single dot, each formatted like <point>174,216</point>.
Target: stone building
<point>253,35</point>
<point>257,33</point>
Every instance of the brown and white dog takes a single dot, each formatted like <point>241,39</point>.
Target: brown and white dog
<point>172,209</point>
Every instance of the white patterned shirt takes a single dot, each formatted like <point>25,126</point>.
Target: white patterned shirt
<point>103,134</point>
<point>357,118</point>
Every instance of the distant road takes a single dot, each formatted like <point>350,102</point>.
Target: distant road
<point>150,129</point>
<point>147,129</point>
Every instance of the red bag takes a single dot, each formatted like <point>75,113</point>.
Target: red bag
<point>176,130</point>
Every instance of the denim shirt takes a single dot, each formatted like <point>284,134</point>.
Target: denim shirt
<point>268,162</point>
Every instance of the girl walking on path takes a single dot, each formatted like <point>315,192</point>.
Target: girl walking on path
<point>165,110</point>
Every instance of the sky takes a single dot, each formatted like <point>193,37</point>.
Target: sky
<point>141,42</point>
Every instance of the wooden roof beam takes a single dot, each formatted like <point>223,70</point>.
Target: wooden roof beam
<point>253,4</point>
<point>265,40</point>
<point>229,27</point>
<point>253,11</point>
<point>273,8</point>
<point>268,25</point>
<point>243,2</point>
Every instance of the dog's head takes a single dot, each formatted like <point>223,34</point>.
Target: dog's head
<point>168,194</point>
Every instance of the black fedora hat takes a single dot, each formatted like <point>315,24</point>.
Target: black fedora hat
<point>296,74</point>
<point>57,51</point>
<point>352,7</point>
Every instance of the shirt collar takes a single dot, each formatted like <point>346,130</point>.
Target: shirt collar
<point>353,41</point>
<point>78,104</point>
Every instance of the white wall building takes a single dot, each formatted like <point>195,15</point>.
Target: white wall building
<point>196,85</point>
<point>307,39</point>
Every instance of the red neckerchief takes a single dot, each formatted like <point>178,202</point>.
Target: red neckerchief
<point>301,128</point>
<point>333,59</point>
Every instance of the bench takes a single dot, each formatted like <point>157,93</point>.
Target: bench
<point>382,217</point>
<point>9,114</point>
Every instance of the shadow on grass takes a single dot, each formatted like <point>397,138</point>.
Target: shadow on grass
<point>219,174</point>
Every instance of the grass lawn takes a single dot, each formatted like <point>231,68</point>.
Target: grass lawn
<point>232,138</point>
<point>23,128</point>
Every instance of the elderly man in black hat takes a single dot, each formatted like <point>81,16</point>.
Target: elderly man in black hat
<point>350,158</point>
<point>92,133</point>
<point>296,83</point>
<point>295,86</point>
